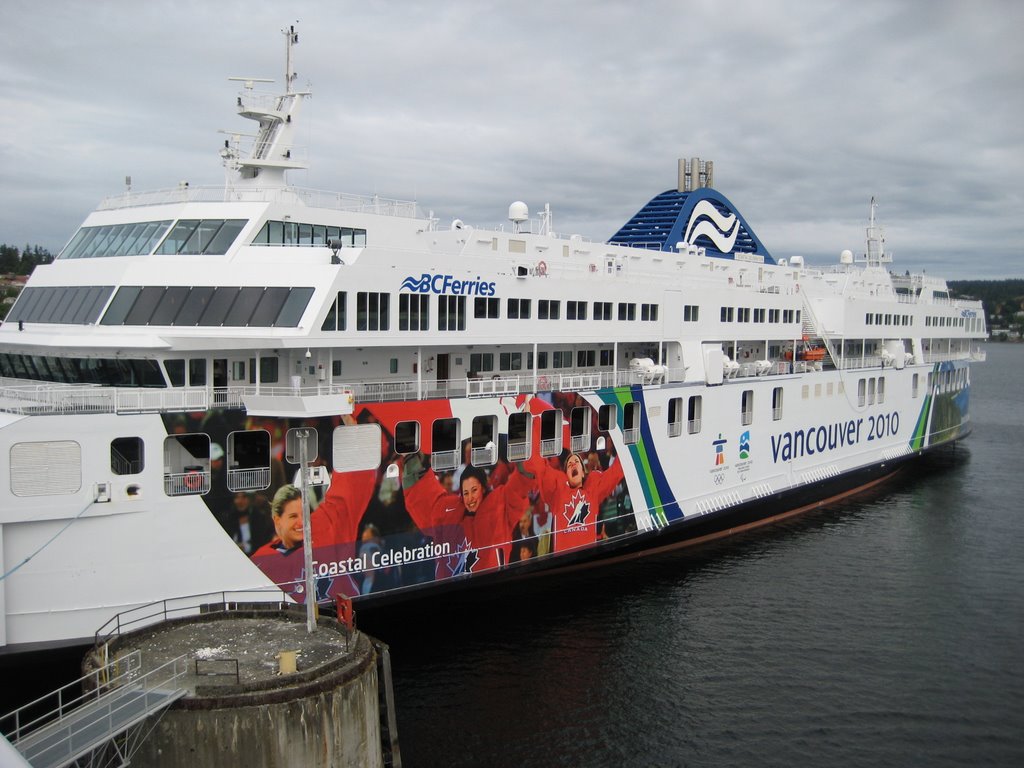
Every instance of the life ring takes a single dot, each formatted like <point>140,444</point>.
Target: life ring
<point>593,267</point>
<point>542,384</point>
<point>193,480</point>
<point>542,268</point>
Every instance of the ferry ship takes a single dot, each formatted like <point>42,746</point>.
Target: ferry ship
<point>206,378</point>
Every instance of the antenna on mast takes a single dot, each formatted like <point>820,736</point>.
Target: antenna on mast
<point>291,38</point>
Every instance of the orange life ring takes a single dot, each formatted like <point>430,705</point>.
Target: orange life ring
<point>193,480</point>
<point>593,267</point>
<point>542,268</point>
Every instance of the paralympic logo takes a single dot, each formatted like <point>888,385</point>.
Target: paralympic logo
<point>448,284</point>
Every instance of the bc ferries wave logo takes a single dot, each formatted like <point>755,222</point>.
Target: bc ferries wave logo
<point>447,284</point>
<point>706,220</point>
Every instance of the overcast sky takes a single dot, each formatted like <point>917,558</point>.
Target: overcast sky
<point>808,109</point>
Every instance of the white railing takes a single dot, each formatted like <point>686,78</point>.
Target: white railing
<point>444,461</point>
<point>255,479</point>
<point>485,456</point>
<point>576,382</point>
<point>551,447</point>
<point>518,451</point>
<point>337,201</point>
<point>494,387</point>
<point>190,483</point>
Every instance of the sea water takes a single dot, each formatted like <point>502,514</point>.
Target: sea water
<point>886,630</point>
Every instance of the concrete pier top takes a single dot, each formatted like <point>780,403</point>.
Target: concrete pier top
<point>235,656</point>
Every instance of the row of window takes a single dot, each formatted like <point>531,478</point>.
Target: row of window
<point>755,315</point>
<point>878,318</point>
<point>373,311</point>
<point>943,321</point>
<point>483,362</point>
<point>297,233</point>
<point>186,237</point>
<point>255,306</point>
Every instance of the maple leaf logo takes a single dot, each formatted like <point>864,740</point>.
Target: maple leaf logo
<point>577,509</point>
<point>464,559</point>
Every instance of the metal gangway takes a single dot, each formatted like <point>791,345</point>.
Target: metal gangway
<point>101,726</point>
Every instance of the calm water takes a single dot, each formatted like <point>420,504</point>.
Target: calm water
<point>883,631</point>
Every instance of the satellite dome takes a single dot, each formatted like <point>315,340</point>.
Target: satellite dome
<point>518,212</point>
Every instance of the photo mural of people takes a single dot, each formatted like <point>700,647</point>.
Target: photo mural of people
<point>403,523</point>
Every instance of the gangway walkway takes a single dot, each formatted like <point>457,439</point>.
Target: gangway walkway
<point>90,723</point>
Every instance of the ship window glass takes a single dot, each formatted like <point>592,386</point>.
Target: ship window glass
<point>579,429</point>
<point>200,237</point>
<point>627,310</point>
<point>881,389</point>
<point>187,464</point>
<point>693,414</point>
<point>549,309</point>
<point>519,436</point>
<point>481,361</point>
<point>82,236</point>
<point>194,306</point>
<point>861,392</point>
<point>170,305</point>
<point>219,306</point>
<point>97,243</point>
<point>413,312</point>
<point>451,313</point>
<point>777,403</point>
<point>691,313</point>
<point>602,310</point>
<point>175,372</point>
<point>269,370</point>
<point>23,305</point>
<point>243,307</point>
<point>486,307</point>
<point>46,468</point>
<point>871,391</point>
<point>336,319</point>
<point>72,303</point>
<point>747,407</point>
<point>518,309</point>
<point>121,305</point>
<point>586,358</point>
<point>268,307</point>
<point>46,308</point>
<point>542,360</point>
<point>631,423</point>
<point>484,442</point>
<point>607,357</point>
<point>914,385</point>
<point>551,433</point>
<point>248,460</point>
<point>649,312</point>
<point>224,238</point>
<point>372,311</point>
<point>293,307</point>
<point>606,417</point>
<point>675,417</point>
<point>127,455</point>
<point>197,372</point>
<point>444,448</point>
<point>407,437</point>
<point>510,361</point>
<point>178,236</point>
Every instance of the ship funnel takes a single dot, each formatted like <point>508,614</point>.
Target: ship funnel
<point>694,174</point>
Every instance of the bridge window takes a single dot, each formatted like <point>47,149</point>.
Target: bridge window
<point>413,312</point>
<point>336,318</point>
<point>445,441</point>
<point>451,313</point>
<point>579,429</point>
<point>520,432</point>
<point>127,455</point>
<point>675,417</point>
<point>551,433</point>
<point>187,464</point>
<point>407,437</point>
<point>248,460</point>
<point>693,414</point>
<point>372,311</point>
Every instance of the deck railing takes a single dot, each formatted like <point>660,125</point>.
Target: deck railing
<point>43,398</point>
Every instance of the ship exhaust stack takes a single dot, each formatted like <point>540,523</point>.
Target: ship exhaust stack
<point>694,174</point>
